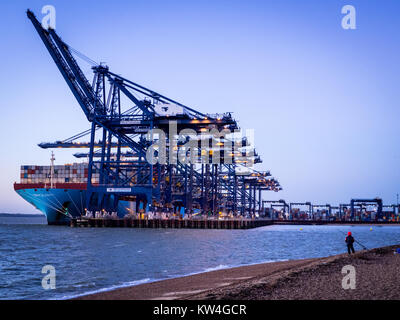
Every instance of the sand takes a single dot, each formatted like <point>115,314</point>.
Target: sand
<point>377,277</point>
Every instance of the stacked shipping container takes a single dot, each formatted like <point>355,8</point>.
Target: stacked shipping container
<point>69,173</point>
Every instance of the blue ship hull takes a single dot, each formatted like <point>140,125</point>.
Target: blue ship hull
<point>60,204</point>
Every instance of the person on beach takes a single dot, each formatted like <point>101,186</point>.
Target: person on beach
<point>349,241</point>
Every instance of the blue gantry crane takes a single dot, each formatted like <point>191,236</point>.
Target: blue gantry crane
<point>124,113</point>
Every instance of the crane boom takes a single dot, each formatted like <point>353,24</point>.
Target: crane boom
<point>79,76</point>
<point>62,65</point>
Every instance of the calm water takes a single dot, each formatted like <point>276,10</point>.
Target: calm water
<point>91,260</point>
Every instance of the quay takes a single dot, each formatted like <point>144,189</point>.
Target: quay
<point>171,223</point>
<point>207,223</point>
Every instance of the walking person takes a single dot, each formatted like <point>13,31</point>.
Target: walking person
<point>349,241</point>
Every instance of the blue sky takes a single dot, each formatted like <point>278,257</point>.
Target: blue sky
<point>323,101</point>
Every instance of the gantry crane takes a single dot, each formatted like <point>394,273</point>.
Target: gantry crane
<point>125,114</point>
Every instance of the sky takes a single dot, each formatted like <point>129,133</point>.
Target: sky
<point>323,101</point>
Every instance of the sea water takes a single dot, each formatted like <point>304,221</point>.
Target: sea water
<point>88,260</point>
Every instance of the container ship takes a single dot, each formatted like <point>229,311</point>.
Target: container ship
<point>59,191</point>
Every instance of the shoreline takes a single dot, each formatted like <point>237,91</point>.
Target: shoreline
<point>148,280</point>
<point>162,289</point>
<point>378,271</point>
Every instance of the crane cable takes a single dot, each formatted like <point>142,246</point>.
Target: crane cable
<point>81,55</point>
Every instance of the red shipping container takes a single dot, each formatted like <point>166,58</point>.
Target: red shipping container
<point>74,171</point>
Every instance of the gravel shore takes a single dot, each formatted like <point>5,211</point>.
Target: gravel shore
<point>377,277</point>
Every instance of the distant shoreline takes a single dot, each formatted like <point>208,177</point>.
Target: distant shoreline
<point>22,215</point>
<point>378,277</point>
